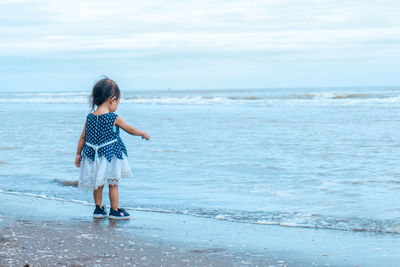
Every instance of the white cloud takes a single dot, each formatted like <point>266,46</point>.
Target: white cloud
<point>304,29</point>
<point>360,42</point>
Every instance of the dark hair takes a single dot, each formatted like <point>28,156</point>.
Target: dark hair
<point>102,90</point>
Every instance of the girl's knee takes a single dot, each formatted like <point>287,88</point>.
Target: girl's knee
<point>99,188</point>
<point>112,185</point>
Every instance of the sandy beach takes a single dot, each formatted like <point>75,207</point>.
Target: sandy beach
<point>64,234</point>
<point>70,241</point>
<point>96,243</point>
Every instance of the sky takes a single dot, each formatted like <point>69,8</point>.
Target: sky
<point>183,44</point>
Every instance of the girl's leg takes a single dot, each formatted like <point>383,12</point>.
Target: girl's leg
<point>113,193</point>
<point>98,195</point>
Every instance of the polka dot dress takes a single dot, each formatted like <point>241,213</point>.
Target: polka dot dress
<point>110,163</point>
<point>99,130</point>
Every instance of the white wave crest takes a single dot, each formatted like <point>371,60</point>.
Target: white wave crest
<point>312,99</point>
<point>53,94</point>
<point>45,100</point>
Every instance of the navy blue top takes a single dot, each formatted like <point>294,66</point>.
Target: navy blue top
<point>100,129</point>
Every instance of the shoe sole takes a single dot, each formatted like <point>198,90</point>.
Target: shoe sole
<point>99,216</point>
<point>118,217</point>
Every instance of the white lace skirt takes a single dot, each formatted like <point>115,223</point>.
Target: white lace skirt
<point>92,175</point>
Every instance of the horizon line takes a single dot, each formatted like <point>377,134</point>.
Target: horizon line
<point>223,88</point>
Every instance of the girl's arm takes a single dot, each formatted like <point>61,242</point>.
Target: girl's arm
<point>130,129</point>
<point>81,143</point>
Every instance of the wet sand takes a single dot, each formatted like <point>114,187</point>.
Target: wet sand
<point>43,232</point>
<point>101,244</point>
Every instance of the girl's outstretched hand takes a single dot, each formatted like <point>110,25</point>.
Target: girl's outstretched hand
<point>78,160</point>
<point>145,136</point>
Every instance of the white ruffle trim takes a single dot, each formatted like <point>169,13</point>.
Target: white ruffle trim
<point>105,172</point>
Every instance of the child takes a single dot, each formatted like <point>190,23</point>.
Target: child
<point>104,156</point>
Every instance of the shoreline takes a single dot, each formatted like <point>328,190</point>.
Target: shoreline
<point>196,241</point>
<point>166,211</point>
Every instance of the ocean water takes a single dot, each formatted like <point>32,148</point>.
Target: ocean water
<point>316,158</point>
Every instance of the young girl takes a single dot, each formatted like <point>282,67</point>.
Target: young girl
<point>104,155</point>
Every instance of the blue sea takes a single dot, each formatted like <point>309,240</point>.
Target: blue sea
<point>306,157</point>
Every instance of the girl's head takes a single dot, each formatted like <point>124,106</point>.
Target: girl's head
<point>105,91</point>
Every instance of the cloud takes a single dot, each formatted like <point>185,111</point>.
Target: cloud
<point>360,42</point>
<point>197,26</point>
<point>233,36</point>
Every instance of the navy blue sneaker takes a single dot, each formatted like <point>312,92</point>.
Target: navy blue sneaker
<point>100,213</point>
<point>121,214</point>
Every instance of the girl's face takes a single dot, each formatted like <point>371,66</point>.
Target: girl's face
<point>114,103</point>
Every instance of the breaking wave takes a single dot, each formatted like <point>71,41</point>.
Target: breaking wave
<point>210,97</point>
